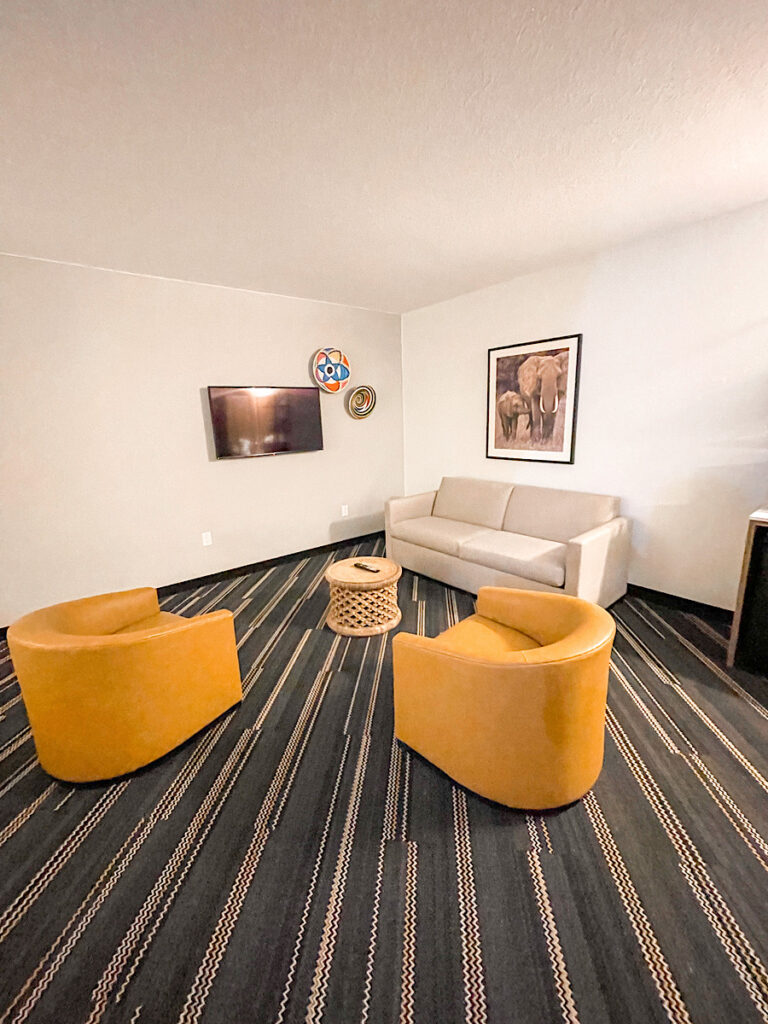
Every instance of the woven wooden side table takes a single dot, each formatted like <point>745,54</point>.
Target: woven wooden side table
<point>363,603</point>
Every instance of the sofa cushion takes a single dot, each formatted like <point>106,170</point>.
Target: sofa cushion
<point>555,514</point>
<point>431,532</point>
<point>482,502</point>
<point>529,557</point>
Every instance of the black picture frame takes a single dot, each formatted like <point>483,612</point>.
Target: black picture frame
<point>543,426</point>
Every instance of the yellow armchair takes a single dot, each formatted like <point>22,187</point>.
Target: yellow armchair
<point>111,683</point>
<point>511,701</point>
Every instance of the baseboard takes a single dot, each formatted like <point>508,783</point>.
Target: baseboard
<point>669,600</point>
<point>682,604</point>
<point>244,570</point>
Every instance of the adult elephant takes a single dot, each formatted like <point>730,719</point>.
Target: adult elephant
<point>542,382</point>
<point>510,407</point>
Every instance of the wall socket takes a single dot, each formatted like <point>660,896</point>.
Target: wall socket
<point>207,539</point>
<point>344,510</point>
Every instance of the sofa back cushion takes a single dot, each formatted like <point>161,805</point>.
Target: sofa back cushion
<point>481,502</point>
<point>557,515</point>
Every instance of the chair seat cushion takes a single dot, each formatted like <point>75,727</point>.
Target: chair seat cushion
<point>530,557</point>
<point>445,535</point>
<point>158,621</point>
<point>483,638</point>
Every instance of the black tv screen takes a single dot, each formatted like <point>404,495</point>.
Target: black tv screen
<point>265,421</point>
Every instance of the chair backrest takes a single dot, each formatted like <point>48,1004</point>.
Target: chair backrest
<point>96,616</point>
<point>566,627</point>
<point>553,514</point>
<point>480,502</point>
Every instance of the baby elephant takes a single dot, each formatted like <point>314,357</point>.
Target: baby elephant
<point>511,406</point>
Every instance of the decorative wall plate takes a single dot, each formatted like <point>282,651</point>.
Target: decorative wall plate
<point>361,401</point>
<point>330,368</point>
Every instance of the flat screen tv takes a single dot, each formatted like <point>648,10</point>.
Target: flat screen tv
<point>265,421</point>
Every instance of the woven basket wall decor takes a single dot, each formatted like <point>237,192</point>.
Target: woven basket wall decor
<point>361,401</point>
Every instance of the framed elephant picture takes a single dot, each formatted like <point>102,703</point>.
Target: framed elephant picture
<point>533,391</point>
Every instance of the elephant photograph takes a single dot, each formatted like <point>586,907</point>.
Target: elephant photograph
<point>532,396</point>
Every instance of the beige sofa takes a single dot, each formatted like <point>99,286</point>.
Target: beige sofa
<point>477,533</point>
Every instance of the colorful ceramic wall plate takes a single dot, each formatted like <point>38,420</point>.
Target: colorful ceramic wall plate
<point>361,402</point>
<point>330,368</point>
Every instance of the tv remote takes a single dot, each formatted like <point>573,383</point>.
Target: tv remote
<point>368,568</point>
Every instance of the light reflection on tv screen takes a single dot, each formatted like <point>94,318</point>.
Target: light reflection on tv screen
<point>265,421</point>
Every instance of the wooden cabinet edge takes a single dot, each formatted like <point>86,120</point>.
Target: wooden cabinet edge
<point>737,615</point>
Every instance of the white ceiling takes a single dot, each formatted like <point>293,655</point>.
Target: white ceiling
<point>384,154</point>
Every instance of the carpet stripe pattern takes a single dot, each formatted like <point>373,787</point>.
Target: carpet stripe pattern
<point>294,863</point>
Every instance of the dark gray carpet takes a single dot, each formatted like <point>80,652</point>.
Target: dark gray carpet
<point>292,863</point>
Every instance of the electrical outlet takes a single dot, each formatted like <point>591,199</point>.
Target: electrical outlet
<point>207,539</point>
<point>344,510</point>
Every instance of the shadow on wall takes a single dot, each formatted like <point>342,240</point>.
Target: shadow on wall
<point>356,526</point>
<point>690,543</point>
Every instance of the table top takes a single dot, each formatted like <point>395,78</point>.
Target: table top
<point>345,574</point>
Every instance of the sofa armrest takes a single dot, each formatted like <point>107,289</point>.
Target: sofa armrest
<point>412,507</point>
<point>596,562</point>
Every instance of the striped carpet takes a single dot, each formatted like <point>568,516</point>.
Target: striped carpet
<point>293,863</point>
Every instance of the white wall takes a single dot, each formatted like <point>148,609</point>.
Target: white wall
<point>106,479</point>
<point>673,408</point>
<point>106,476</point>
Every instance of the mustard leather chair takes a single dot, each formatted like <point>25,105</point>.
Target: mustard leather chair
<point>511,701</point>
<point>111,683</point>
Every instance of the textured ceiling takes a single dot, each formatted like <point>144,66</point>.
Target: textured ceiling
<point>384,154</point>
